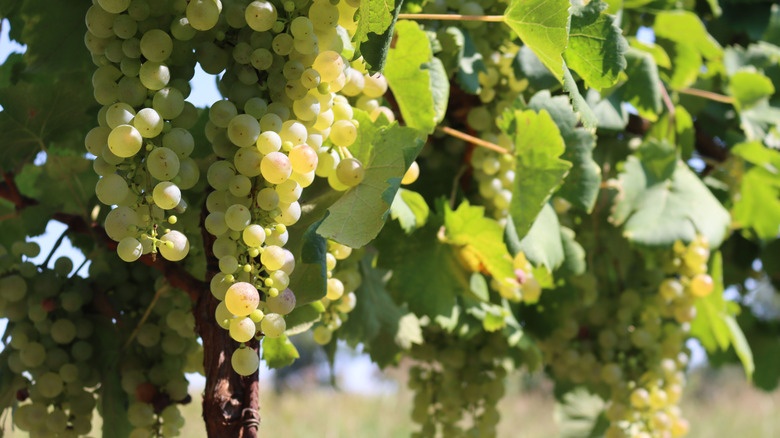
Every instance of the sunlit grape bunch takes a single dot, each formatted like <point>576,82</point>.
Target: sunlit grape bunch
<point>344,279</point>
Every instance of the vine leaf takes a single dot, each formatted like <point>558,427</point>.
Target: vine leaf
<point>543,25</point>
<point>643,87</point>
<point>409,209</point>
<point>279,352</point>
<point>309,280</point>
<point>538,146</point>
<point>417,79</point>
<point>596,45</point>
<point>375,29</point>
<point>580,413</point>
<point>356,218</point>
<point>542,245</point>
<point>657,212</point>
<point>758,206</point>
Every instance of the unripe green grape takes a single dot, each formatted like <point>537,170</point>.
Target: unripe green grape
<point>119,114</point>
<point>273,325</point>
<point>282,44</point>
<point>228,264</point>
<point>701,285</point>
<point>245,361</point>
<point>289,191</point>
<point>154,75</point>
<point>219,174</point>
<point>249,161</point>
<point>289,213</point>
<point>63,331</point>
<point>141,414</point>
<point>156,45</point>
<point>179,246</point>
<point>166,195</point>
<point>261,59</point>
<point>111,189</point>
<point>169,103</point>
<point>238,217</point>
<point>322,334</point>
<point>284,303</point>
<point>350,172</point>
<point>163,164</point>
<point>335,289</point>
<point>50,385</point>
<point>254,236</point>
<point>267,199</point>
<point>148,122</point>
<point>343,133</point>
<point>32,355</point>
<point>241,299</point>
<point>243,130</point>
<point>273,257</point>
<point>120,223</point>
<point>203,15</point>
<point>125,141</point>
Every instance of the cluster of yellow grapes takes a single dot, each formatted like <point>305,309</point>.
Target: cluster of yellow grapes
<point>634,346</point>
<point>343,280</point>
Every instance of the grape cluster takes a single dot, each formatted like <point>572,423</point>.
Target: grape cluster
<point>458,383</point>
<point>633,347</point>
<point>344,279</point>
<point>51,349</point>
<point>142,146</point>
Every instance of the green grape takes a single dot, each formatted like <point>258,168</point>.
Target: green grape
<point>174,246</point>
<point>323,16</point>
<point>163,164</point>
<point>141,414</point>
<point>166,195</point>
<point>347,303</point>
<point>50,385</point>
<point>276,168</point>
<point>243,130</point>
<point>154,75</point>
<point>125,141</point>
<point>156,45</point>
<point>169,103</point>
<point>273,325</point>
<point>303,159</point>
<point>260,15</point>
<point>189,174</point>
<point>335,289</point>
<point>701,285</point>
<point>254,235</point>
<point>245,361</point>
<point>261,59</point>
<point>288,191</point>
<point>241,299</point>
<point>96,139</point>
<point>119,114</point>
<point>181,29</point>
<point>215,223</point>
<point>99,22</point>
<point>178,140</point>
<point>322,334</point>
<point>267,199</point>
<point>203,15</point>
<point>273,257</point>
<point>120,223</point>
<point>242,329</point>
<point>114,6</point>
<point>63,331</point>
<point>375,86</point>
<point>220,174</point>
<point>102,168</point>
<point>228,264</point>
<point>289,213</point>
<point>350,172</point>
<point>284,303</point>
<point>238,217</point>
<point>240,186</point>
<point>148,122</point>
<point>33,354</point>
<point>13,288</point>
<point>343,133</point>
<point>307,107</point>
<point>249,161</point>
<point>224,246</point>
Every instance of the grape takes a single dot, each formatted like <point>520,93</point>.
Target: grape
<point>111,189</point>
<point>238,217</point>
<point>180,141</point>
<point>290,213</point>
<point>179,246</point>
<point>702,285</point>
<point>13,288</point>
<point>33,354</point>
<point>96,139</point>
<point>63,331</point>
<point>50,385</point>
<point>347,303</point>
<point>267,199</point>
<point>322,335</point>
<point>181,29</point>
<point>254,235</point>
<point>343,133</point>
<point>261,59</point>
<point>148,122</point>
<point>335,289</point>
<point>163,164</point>
<point>242,329</point>
<point>228,264</point>
<point>99,22</point>
<point>350,172</point>
<point>303,159</point>
<point>339,251</point>
<point>220,174</point>
<point>118,114</point>
<point>288,191</point>
<point>273,325</point>
<point>249,161</point>
<point>156,45</point>
<point>284,303</point>
<point>141,414</point>
<point>124,141</point>
<point>276,168</point>
<point>114,6</point>
<point>120,223</point>
<point>273,257</point>
<point>166,195</point>
<point>260,15</point>
<point>245,361</point>
<point>224,246</point>
<point>154,75</point>
<point>241,299</point>
<point>355,83</point>
<point>375,86</point>
<point>203,14</point>
<point>307,107</point>
<point>243,130</point>
<point>169,104</point>
<point>411,174</point>
<point>304,179</point>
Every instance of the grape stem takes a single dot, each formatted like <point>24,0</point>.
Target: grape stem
<point>141,322</point>
<point>54,248</point>
<point>470,138</point>
<point>707,95</point>
<point>452,17</point>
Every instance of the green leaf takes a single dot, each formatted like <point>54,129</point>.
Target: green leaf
<point>543,25</point>
<point>580,414</point>
<point>34,115</point>
<point>767,356</point>
<point>757,120</point>
<point>581,186</point>
<point>426,275</point>
<point>578,102</point>
<point>687,27</point>
<point>574,254</point>
<point>302,318</point>
<point>715,325</point>
<point>483,237</point>
<point>643,87</point>
<point>309,280</point>
<point>659,159</point>
<point>371,42</point>
<point>113,399</point>
<point>409,75</point>
<point>440,89</point>
<point>748,88</point>
<point>479,287</point>
<point>279,352</point>
<point>358,216</point>
<point>409,209</point>
<point>658,53</point>
<point>657,213</point>
<point>610,112</point>
<point>686,63</point>
<point>538,146</point>
<point>758,206</point>
<point>527,65</point>
<point>596,46</point>
<point>470,64</point>
<point>542,245</point>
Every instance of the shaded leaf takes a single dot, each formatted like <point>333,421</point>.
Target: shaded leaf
<point>279,352</point>
<point>543,25</point>
<point>409,209</point>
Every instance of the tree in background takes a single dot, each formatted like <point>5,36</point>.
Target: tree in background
<point>526,183</point>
